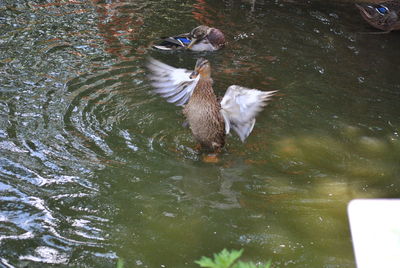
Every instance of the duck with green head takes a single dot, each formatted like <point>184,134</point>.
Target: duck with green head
<point>384,16</point>
<point>201,38</point>
<point>209,118</point>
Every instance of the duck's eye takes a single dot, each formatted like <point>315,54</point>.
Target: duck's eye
<point>382,9</point>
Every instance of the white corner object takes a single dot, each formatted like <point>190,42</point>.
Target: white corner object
<point>375,230</point>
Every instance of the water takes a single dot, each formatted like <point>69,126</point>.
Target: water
<point>94,169</point>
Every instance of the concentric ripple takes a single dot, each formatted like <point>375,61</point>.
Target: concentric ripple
<point>45,171</point>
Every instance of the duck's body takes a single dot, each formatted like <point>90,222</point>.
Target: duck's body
<point>203,114</point>
<point>209,119</point>
<point>201,38</point>
<point>384,16</point>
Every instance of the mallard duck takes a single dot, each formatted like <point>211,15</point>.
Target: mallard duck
<point>201,38</point>
<point>209,119</point>
<point>383,16</point>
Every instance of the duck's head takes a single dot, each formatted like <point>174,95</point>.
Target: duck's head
<point>202,32</point>
<point>379,16</point>
<point>202,68</point>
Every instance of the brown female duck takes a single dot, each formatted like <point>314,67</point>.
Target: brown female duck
<point>201,38</point>
<point>384,16</point>
<point>209,119</point>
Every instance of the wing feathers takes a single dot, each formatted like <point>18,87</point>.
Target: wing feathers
<point>173,84</point>
<point>240,106</point>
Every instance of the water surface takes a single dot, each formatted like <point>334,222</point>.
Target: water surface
<point>94,169</point>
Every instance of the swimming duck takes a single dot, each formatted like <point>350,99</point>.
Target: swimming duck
<point>383,16</point>
<point>209,119</point>
<point>201,38</point>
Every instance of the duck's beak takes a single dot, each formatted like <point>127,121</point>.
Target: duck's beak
<point>194,40</point>
<point>194,74</point>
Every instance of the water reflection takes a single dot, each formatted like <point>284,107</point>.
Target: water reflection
<point>119,24</point>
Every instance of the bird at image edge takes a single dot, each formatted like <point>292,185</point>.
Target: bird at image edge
<point>201,38</point>
<point>384,16</point>
<point>209,119</point>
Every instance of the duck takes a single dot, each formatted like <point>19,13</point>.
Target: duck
<point>384,16</point>
<point>209,118</point>
<point>201,38</point>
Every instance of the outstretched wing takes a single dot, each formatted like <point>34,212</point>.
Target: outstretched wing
<point>240,106</point>
<point>172,83</point>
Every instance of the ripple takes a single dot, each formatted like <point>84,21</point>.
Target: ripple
<point>56,112</point>
<point>22,215</point>
<point>98,105</point>
<point>47,255</point>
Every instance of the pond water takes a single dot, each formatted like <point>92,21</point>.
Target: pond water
<point>93,168</point>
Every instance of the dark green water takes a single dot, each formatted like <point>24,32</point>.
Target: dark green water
<point>94,169</point>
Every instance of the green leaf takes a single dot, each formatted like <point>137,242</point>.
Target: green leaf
<point>224,259</point>
<point>205,262</point>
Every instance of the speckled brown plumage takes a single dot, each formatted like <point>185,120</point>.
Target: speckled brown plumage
<point>203,115</point>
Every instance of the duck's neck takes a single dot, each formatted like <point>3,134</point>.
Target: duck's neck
<point>204,87</point>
